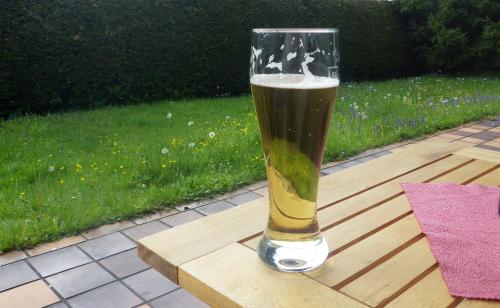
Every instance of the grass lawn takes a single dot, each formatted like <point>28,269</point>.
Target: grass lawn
<point>61,174</point>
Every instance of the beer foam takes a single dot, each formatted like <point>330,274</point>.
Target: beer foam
<point>293,81</point>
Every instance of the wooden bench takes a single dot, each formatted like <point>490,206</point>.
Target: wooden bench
<point>378,255</point>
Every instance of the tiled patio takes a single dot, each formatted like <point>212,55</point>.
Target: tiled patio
<point>100,267</point>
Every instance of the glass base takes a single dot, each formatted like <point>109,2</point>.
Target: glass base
<point>293,256</point>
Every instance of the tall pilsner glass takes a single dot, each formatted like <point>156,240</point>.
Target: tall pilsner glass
<point>294,79</point>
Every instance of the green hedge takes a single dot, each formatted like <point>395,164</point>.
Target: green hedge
<point>65,54</point>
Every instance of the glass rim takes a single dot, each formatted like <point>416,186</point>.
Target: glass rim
<point>295,30</point>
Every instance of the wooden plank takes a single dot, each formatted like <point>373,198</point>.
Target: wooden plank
<point>235,277</point>
<point>429,292</point>
<point>367,252</point>
<point>166,250</point>
<point>482,154</point>
<point>390,276</point>
<point>490,179</point>
<point>471,303</point>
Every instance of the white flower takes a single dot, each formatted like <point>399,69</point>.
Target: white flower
<point>164,151</point>
<point>169,115</point>
<point>211,135</point>
<point>342,98</point>
<point>444,101</point>
<point>52,168</point>
<point>191,145</point>
<point>190,123</point>
<point>227,117</point>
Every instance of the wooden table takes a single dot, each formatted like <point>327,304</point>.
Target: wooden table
<point>378,257</point>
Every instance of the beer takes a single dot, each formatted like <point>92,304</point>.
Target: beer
<point>293,112</point>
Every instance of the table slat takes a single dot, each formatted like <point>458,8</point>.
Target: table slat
<point>235,277</point>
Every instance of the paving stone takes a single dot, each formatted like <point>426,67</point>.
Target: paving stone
<point>486,135</point>
<point>154,216</point>
<point>264,191</point>
<point>472,140</point>
<point>333,169</point>
<point>257,185</point>
<point>491,123</point>
<point>181,218</point>
<point>383,153</point>
<point>113,295</point>
<point>213,208</point>
<point>243,198</point>
<point>59,260</point>
<point>232,194</point>
<point>367,158</point>
<point>65,242</point>
<point>488,147</point>
<point>144,230</point>
<point>178,299</point>
<point>450,136</point>
<point>150,284</point>
<point>107,245</point>
<point>14,274</point>
<point>480,126</point>
<point>57,305</point>
<point>80,279</point>
<point>471,130</point>
<point>124,264</point>
<point>194,204</point>
<point>461,132</point>
<point>108,229</point>
<point>34,294</point>
<point>12,256</point>
<point>351,163</point>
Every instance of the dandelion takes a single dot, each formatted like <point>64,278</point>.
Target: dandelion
<point>211,135</point>
<point>191,145</point>
<point>52,168</point>
<point>169,115</point>
<point>164,151</point>
<point>190,123</point>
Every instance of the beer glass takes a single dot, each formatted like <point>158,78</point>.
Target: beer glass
<point>294,80</point>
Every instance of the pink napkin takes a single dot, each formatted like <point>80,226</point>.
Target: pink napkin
<point>462,224</point>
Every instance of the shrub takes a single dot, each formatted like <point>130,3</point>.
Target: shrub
<point>59,54</point>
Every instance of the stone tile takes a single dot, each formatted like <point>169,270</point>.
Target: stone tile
<point>367,158</point>
<point>107,229</point>
<point>461,132</point>
<point>213,208</point>
<point>150,284</point>
<point>486,135</point>
<point>14,274</point>
<point>351,163</point>
<point>34,294</point>
<point>464,144</point>
<point>437,139</point>
<point>181,218</point>
<point>12,256</point>
<point>243,198</point>
<point>264,191</point>
<point>383,153</point>
<point>472,140</point>
<point>496,129</point>
<point>107,245</point>
<point>59,260</point>
<point>488,147</point>
<point>124,264</point>
<point>333,169</point>
<point>113,295</point>
<point>80,279</point>
<point>471,130</point>
<point>65,242</point>
<point>257,185</point>
<point>491,123</point>
<point>232,194</point>
<point>57,305</point>
<point>144,230</point>
<point>154,216</point>
<point>193,205</point>
<point>494,143</point>
<point>178,299</point>
<point>450,136</point>
<point>479,126</point>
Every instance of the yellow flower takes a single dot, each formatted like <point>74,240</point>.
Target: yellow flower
<point>121,166</point>
<point>62,168</point>
<point>22,193</point>
<point>82,179</point>
<point>164,166</point>
<point>78,166</point>
<point>61,181</point>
